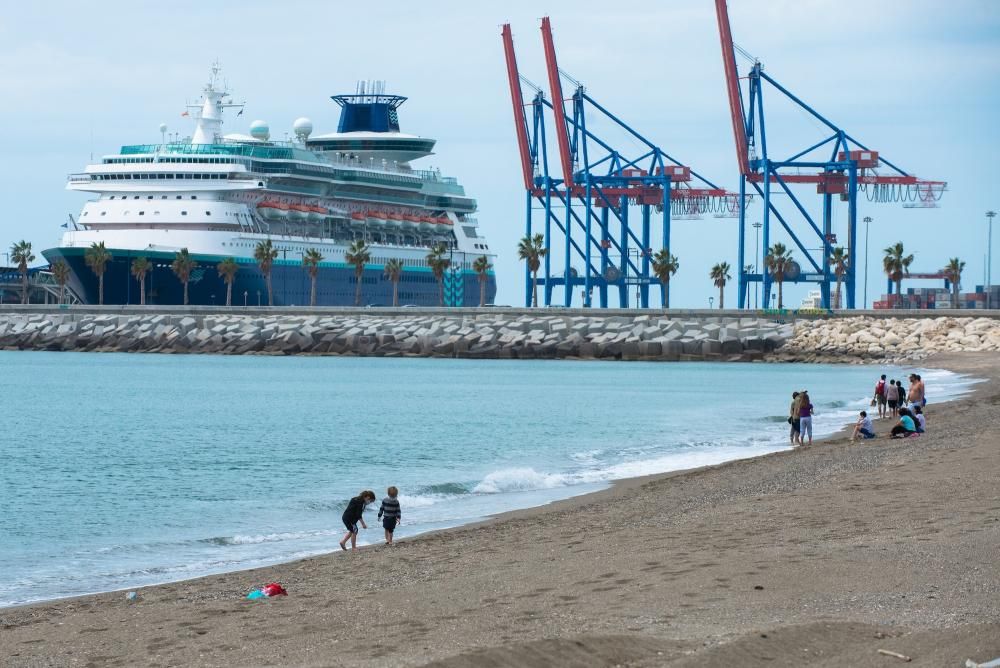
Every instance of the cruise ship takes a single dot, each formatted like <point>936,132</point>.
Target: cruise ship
<point>219,195</point>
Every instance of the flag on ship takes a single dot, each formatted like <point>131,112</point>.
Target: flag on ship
<point>184,113</point>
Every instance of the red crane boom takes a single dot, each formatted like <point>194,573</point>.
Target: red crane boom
<point>555,86</point>
<point>732,86</point>
<point>520,120</point>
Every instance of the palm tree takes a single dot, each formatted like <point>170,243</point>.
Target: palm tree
<point>532,250</point>
<point>665,265</point>
<point>141,267</point>
<point>97,258</point>
<point>896,265</point>
<point>838,260</point>
<point>311,260</point>
<point>265,254</point>
<point>777,260</point>
<point>747,269</point>
<point>227,272</point>
<point>183,265</point>
<point>358,255</point>
<point>20,254</point>
<point>482,268</point>
<point>394,271</point>
<point>439,264</point>
<point>719,276</point>
<point>953,272</point>
<point>60,271</point>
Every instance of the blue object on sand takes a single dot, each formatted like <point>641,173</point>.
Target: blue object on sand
<point>255,594</point>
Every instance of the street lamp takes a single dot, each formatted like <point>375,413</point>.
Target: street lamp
<point>756,264</point>
<point>990,215</point>
<point>867,220</point>
<point>711,301</point>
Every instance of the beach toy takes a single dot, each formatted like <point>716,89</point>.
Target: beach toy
<point>131,596</point>
<point>256,594</point>
<point>274,589</point>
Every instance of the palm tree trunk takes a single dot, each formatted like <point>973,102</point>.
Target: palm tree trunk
<point>836,295</point>
<point>142,290</point>
<point>899,291</point>
<point>24,288</point>
<point>357,288</point>
<point>666,295</point>
<point>185,293</point>
<point>270,297</point>
<point>312,291</point>
<point>954,288</point>
<point>100,289</point>
<point>722,295</point>
<point>482,293</point>
<point>780,296</point>
<point>62,293</point>
<point>395,293</point>
<point>534,289</point>
<point>441,291</point>
<point>229,293</point>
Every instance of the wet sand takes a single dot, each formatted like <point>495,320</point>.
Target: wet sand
<point>818,556</point>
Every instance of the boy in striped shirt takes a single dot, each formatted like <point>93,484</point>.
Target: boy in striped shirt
<point>390,513</point>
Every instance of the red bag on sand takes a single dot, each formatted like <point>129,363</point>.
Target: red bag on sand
<point>274,589</point>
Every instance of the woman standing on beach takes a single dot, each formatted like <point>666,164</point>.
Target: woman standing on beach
<point>794,435</point>
<point>805,418</point>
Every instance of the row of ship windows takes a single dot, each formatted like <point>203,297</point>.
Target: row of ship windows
<point>482,246</point>
<point>151,197</point>
<point>214,161</point>
<point>143,213</point>
<point>128,177</point>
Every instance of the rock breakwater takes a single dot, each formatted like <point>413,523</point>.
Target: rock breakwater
<point>469,335</point>
<point>866,339</point>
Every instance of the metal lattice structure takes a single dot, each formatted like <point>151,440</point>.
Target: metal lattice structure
<point>601,210</point>
<point>838,165</point>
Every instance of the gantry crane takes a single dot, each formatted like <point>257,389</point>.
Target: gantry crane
<point>838,165</point>
<point>602,207</point>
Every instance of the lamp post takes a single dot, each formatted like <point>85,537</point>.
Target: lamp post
<point>756,263</point>
<point>711,302</point>
<point>990,215</point>
<point>867,219</point>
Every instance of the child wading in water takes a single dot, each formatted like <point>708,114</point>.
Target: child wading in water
<point>390,514</point>
<point>353,515</point>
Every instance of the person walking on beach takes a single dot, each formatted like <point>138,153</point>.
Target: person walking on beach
<point>879,398</point>
<point>805,418</point>
<point>892,398</point>
<point>390,513</point>
<point>902,393</point>
<point>353,515</point>
<point>917,397</point>
<point>794,436</point>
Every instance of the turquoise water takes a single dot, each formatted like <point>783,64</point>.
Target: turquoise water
<point>127,470</point>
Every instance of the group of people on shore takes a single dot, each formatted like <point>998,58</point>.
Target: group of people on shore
<point>892,400</point>
<point>800,418</point>
<point>389,513</point>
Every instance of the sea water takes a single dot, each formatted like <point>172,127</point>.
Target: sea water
<point>126,470</point>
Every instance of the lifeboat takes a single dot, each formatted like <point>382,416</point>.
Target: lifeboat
<point>388,222</point>
<point>272,210</point>
<point>399,221</point>
<point>374,219</point>
<point>357,218</point>
<point>422,223</point>
<point>444,220</point>
<point>317,213</point>
<point>299,211</point>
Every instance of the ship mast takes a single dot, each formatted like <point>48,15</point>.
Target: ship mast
<point>207,113</point>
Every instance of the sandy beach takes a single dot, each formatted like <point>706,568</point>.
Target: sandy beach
<point>819,556</point>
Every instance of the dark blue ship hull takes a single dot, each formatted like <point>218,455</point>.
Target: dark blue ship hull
<point>335,283</point>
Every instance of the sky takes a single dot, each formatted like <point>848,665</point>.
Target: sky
<point>917,80</point>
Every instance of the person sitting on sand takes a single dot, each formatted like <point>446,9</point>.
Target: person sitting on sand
<point>805,418</point>
<point>390,513</point>
<point>794,436</point>
<point>906,425</point>
<point>879,398</point>
<point>918,415</point>
<point>892,398</point>
<point>353,515</point>
<point>863,427</point>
